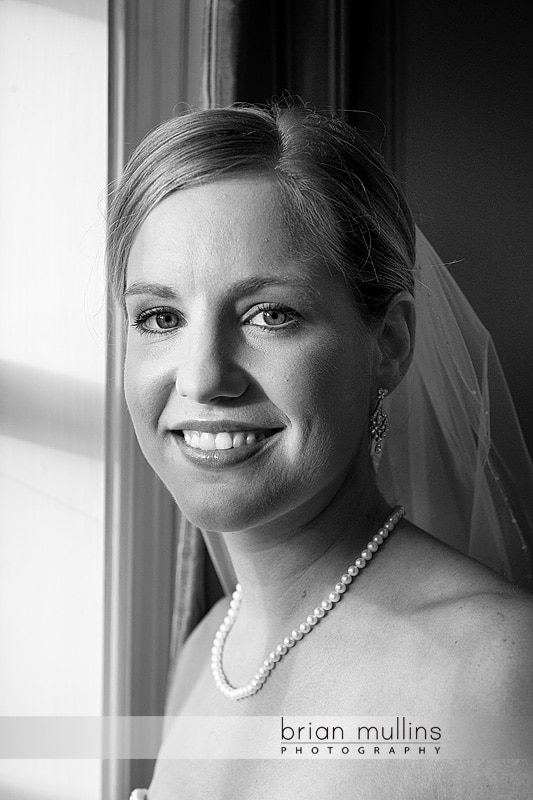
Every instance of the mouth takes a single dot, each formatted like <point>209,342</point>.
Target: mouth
<point>224,440</point>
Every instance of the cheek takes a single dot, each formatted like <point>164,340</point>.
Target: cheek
<point>326,391</point>
<point>145,391</point>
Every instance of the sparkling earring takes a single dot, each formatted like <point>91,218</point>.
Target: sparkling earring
<point>378,421</point>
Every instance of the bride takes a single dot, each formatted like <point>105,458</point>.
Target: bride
<point>267,263</point>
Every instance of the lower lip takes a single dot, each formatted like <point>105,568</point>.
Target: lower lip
<point>218,459</point>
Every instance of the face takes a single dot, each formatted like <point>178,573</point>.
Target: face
<point>248,372</point>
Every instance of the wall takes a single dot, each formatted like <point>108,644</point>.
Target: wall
<point>468,133</point>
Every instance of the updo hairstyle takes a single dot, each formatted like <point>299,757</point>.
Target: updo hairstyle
<point>341,202</point>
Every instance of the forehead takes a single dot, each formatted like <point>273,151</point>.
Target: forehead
<point>216,230</point>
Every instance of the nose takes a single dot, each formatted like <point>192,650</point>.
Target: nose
<point>207,369</point>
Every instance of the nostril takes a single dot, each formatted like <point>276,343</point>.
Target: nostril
<point>204,385</point>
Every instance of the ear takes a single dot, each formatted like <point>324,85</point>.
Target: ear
<point>395,341</point>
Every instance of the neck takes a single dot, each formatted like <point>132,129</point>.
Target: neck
<point>285,567</point>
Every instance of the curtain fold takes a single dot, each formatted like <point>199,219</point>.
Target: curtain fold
<point>223,22</point>
<point>189,587</point>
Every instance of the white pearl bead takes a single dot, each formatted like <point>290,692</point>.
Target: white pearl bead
<point>326,605</point>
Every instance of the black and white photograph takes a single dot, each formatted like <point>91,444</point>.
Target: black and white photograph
<point>266,488</point>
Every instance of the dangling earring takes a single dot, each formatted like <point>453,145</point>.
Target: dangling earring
<point>378,421</point>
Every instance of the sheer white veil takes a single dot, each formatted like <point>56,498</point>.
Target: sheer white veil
<point>454,456</point>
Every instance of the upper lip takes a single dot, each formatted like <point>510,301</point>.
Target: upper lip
<point>220,426</point>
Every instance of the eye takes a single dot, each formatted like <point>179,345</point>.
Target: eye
<point>272,316</point>
<point>157,320</point>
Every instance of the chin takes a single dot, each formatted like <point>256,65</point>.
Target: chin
<point>223,510</point>
<point>217,517</point>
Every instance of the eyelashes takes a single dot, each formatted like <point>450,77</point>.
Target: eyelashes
<point>269,317</point>
<point>280,316</point>
<point>157,321</point>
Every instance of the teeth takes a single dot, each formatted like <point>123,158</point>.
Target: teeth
<point>239,439</point>
<point>207,441</point>
<point>224,440</point>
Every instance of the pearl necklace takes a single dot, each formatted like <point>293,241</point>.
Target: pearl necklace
<point>298,633</point>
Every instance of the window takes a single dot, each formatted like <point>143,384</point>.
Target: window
<point>53,166</point>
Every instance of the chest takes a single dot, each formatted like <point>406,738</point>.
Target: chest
<point>382,674</point>
<point>315,780</point>
<point>391,671</point>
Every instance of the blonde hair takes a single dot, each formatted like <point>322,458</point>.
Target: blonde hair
<point>343,204</point>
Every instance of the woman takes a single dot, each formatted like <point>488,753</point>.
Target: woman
<point>266,264</point>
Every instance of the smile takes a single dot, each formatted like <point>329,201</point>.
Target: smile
<point>218,449</point>
<point>224,440</point>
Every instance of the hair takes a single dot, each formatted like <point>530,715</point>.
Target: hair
<point>341,202</point>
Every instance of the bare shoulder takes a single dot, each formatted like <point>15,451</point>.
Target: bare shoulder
<point>437,575</point>
<point>487,619</point>
<point>496,628</point>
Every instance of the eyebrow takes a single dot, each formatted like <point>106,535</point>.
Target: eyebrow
<point>245,286</point>
<point>141,287</point>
